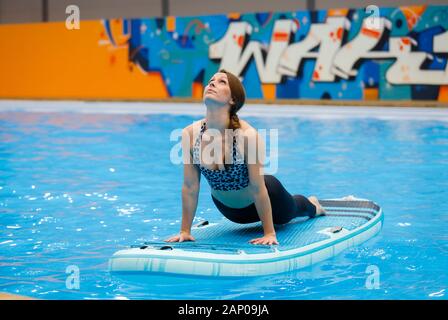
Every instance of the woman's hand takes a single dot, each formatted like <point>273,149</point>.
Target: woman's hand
<point>268,239</point>
<point>183,236</point>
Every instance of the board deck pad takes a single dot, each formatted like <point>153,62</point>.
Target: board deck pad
<point>222,247</point>
<point>227,236</point>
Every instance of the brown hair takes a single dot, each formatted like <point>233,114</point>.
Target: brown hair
<point>239,97</point>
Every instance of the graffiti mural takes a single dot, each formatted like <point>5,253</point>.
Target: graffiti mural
<point>344,54</point>
<point>359,54</point>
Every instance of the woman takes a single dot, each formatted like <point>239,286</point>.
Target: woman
<point>240,190</point>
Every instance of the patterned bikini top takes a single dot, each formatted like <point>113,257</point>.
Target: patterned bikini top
<point>235,177</point>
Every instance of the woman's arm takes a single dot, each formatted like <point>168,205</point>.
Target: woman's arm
<point>190,189</point>
<point>257,187</point>
<point>190,193</point>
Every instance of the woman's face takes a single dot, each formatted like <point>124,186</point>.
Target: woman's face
<point>217,91</point>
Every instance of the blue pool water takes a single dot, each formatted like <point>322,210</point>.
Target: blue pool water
<point>75,188</point>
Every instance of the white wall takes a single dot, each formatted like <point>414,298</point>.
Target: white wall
<point>97,9</point>
<point>23,11</point>
<point>20,11</point>
<point>326,4</point>
<point>204,7</point>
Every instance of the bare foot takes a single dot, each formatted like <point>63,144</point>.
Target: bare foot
<point>319,209</point>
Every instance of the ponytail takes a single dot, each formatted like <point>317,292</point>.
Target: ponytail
<point>234,121</point>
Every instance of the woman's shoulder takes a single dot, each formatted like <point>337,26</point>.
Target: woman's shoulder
<point>191,132</point>
<point>247,129</point>
<point>193,126</point>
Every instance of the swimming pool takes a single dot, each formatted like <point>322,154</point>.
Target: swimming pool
<point>76,187</point>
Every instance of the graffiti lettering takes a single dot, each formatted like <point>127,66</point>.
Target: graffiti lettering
<point>333,59</point>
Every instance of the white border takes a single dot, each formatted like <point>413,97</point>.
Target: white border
<point>256,110</point>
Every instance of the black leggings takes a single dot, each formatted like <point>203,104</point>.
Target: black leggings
<point>284,206</point>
